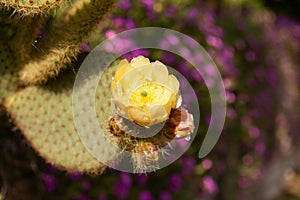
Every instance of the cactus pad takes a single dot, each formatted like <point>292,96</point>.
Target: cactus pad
<point>44,115</point>
<point>24,37</point>
<point>64,41</point>
<point>31,7</point>
<point>146,152</point>
<point>8,81</point>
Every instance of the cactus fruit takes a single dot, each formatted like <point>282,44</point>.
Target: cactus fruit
<point>145,151</point>
<point>44,115</point>
<point>62,44</point>
<point>145,157</point>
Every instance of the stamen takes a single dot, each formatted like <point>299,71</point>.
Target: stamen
<point>144,93</point>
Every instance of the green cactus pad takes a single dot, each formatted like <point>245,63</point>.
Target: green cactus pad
<point>65,38</point>
<point>44,115</point>
<point>24,37</point>
<point>9,80</point>
<point>31,7</point>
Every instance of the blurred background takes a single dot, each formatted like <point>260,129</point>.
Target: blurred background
<point>256,46</point>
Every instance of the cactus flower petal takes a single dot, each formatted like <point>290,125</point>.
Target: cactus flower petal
<point>143,91</point>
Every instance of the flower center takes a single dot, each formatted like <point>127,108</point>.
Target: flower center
<point>144,93</point>
<point>151,93</point>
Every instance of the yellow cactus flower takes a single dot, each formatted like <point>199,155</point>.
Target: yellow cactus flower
<point>143,91</point>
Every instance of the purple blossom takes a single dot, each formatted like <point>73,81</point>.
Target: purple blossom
<point>123,23</point>
<point>209,16</point>
<point>171,11</point>
<point>197,77</point>
<point>135,53</point>
<point>122,187</point>
<point>138,52</point>
<point>214,42</point>
<point>286,23</point>
<point>75,176</point>
<point>85,47</point>
<point>231,113</point>
<point>272,77</point>
<point>164,44</point>
<point>109,33</point>
<point>181,143</point>
<point>207,163</point>
<point>188,165</point>
<point>145,195</point>
<point>126,179</point>
<point>191,15</point>
<point>117,45</point>
<point>207,25</point>
<point>168,58</point>
<point>49,182</point>
<point>230,97</point>
<point>254,132</point>
<point>188,93</point>
<point>121,190</point>
<point>118,22</point>
<point>173,40</point>
<point>141,179</point>
<point>51,167</point>
<point>174,183</point>
<point>129,23</point>
<point>147,3</point>
<point>260,147</point>
<point>151,15</point>
<point>192,43</point>
<point>218,31</point>
<point>182,68</point>
<point>210,185</point>
<point>125,4</point>
<point>228,83</point>
<point>225,57</point>
<point>209,70</point>
<point>186,53</point>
